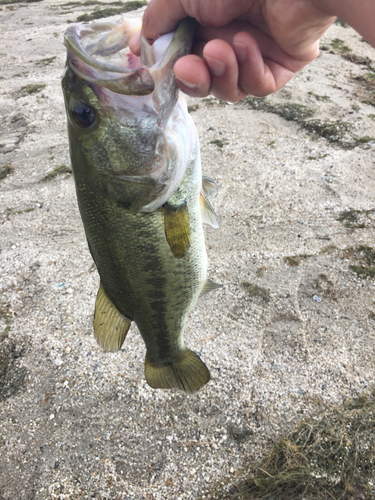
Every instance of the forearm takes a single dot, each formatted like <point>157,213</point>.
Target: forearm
<point>359,14</point>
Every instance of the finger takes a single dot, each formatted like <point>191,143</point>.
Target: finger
<point>258,74</point>
<point>193,76</point>
<point>163,16</point>
<point>155,23</point>
<point>135,43</point>
<point>268,46</point>
<point>262,66</point>
<point>222,63</point>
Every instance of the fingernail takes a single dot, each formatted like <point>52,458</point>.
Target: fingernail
<point>189,85</point>
<point>241,52</point>
<point>145,23</point>
<point>217,68</point>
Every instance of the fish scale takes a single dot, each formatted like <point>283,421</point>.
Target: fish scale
<point>143,225</point>
<point>158,290</point>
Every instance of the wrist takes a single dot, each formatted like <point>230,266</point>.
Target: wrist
<point>359,14</point>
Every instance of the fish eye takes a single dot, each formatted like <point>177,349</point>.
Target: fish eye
<point>83,115</point>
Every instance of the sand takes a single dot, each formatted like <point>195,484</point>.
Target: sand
<point>290,333</point>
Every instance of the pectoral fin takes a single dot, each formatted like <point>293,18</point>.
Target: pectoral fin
<point>209,187</point>
<point>207,211</point>
<point>177,229</point>
<point>110,326</point>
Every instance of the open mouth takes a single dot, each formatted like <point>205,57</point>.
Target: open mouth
<point>99,53</point>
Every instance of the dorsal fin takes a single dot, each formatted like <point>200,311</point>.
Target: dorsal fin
<point>208,287</point>
<point>177,229</point>
<point>110,326</point>
<point>207,211</point>
<point>209,187</point>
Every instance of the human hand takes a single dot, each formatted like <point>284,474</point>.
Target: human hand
<point>241,46</point>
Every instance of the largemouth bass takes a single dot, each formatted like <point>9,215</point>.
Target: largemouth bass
<point>135,156</point>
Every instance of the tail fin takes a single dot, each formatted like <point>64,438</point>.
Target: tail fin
<point>188,373</point>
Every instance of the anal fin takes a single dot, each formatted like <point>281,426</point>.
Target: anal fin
<point>177,229</point>
<point>188,373</point>
<point>209,286</point>
<point>110,326</point>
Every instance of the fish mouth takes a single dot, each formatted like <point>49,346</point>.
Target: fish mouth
<point>99,53</point>
<point>138,94</point>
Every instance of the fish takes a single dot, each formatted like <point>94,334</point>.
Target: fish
<point>142,198</point>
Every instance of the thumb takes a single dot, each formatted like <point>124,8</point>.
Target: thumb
<point>160,17</point>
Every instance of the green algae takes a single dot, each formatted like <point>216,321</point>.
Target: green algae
<point>341,23</point>
<point>219,143</point>
<point>365,257</point>
<point>353,219</point>
<point>112,11</point>
<point>193,107</point>
<point>6,170</point>
<point>319,97</point>
<point>255,290</point>
<point>46,61</point>
<point>32,88</point>
<point>339,45</point>
<point>328,456</point>
<point>62,169</point>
